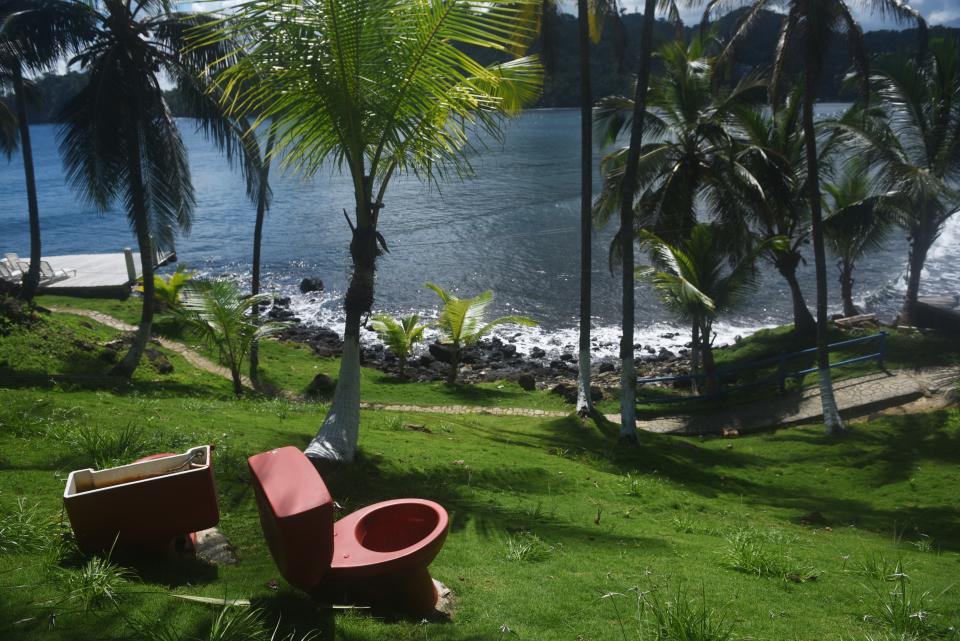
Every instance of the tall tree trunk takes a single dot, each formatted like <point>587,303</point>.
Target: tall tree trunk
<point>803,322</point>
<point>337,438</point>
<point>846,287</point>
<point>920,242</point>
<point>262,193</point>
<point>454,364</point>
<point>628,376</point>
<point>709,364</point>
<point>31,280</point>
<point>831,415</point>
<point>584,404</point>
<point>695,357</point>
<point>141,226</point>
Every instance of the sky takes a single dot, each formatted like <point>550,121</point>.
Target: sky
<point>935,11</point>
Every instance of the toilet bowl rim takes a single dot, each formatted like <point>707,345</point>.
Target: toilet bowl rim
<point>373,557</point>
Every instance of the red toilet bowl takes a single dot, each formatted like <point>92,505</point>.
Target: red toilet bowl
<point>378,554</point>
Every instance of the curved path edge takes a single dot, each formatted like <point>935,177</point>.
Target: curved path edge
<point>855,397</point>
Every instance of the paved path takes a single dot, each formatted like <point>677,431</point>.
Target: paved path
<point>855,396</point>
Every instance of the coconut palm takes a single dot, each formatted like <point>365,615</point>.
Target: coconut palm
<point>628,372</point>
<point>218,313</point>
<point>918,154</point>
<point>34,34</point>
<point>119,140</point>
<point>807,31</point>
<point>461,323</point>
<point>591,17</point>
<point>263,204</point>
<point>774,152</point>
<point>378,89</point>
<point>857,222</point>
<point>699,278</point>
<point>399,335</point>
<point>691,153</point>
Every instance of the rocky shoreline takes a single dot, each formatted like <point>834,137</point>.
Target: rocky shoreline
<point>489,360</point>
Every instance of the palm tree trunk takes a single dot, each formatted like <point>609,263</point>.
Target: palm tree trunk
<point>803,322</point>
<point>831,415</point>
<point>337,438</point>
<point>263,190</point>
<point>454,364</point>
<point>141,225</point>
<point>237,381</point>
<point>709,364</point>
<point>584,404</point>
<point>628,375</point>
<point>846,288</point>
<point>695,357</point>
<point>919,246</point>
<point>31,280</point>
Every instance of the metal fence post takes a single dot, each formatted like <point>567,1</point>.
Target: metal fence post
<point>782,372</point>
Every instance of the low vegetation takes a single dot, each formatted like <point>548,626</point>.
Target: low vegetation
<point>555,532</point>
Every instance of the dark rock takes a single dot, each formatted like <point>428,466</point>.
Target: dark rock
<point>282,301</point>
<point>649,350</point>
<point>160,362</point>
<point>527,382</point>
<point>665,355</point>
<point>308,285</point>
<point>321,385</point>
<point>425,360</point>
<point>566,357</point>
<point>596,394</point>
<point>440,352</point>
<point>607,366</point>
<point>439,366</point>
<point>509,350</point>
<point>556,364</point>
<point>280,314</point>
<point>637,346</point>
<point>567,391</point>
<point>536,352</point>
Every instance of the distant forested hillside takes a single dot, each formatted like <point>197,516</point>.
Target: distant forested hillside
<point>611,76</point>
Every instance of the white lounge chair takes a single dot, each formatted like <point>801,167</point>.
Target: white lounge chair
<point>12,259</point>
<point>9,273</point>
<point>50,275</point>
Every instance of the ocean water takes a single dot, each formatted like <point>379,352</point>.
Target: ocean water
<point>513,228</point>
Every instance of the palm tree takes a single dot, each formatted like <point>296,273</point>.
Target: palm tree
<point>219,315</point>
<point>917,154</point>
<point>399,335</point>
<point>119,141</point>
<point>857,222</point>
<point>34,34</point>
<point>808,28</point>
<point>263,204</point>
<point>628,372</point>
<point>167,292</point>
<point>379,89</point>
<point>774,152</point>
<point>691,155</point>
<point>591,16</point>
<point>461,323</point>
<point>699,278</point>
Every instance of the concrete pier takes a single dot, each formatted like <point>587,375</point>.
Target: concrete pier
<point>97,275</point>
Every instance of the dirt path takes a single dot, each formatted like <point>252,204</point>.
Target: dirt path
<point>909,390</point>
<point>191,356</point>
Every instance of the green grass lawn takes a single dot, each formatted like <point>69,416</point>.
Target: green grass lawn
<point>555,531</point>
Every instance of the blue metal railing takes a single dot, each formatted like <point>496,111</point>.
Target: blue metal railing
<point>779,377</point>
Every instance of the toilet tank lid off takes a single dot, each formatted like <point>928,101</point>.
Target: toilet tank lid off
<point>290,482</point>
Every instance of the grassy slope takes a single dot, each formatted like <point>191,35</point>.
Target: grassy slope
<point>666,512</point>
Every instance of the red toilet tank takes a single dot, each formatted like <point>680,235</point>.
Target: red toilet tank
<point>296,514</point>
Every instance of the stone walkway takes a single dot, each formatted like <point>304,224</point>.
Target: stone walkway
<point>855,396</point>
